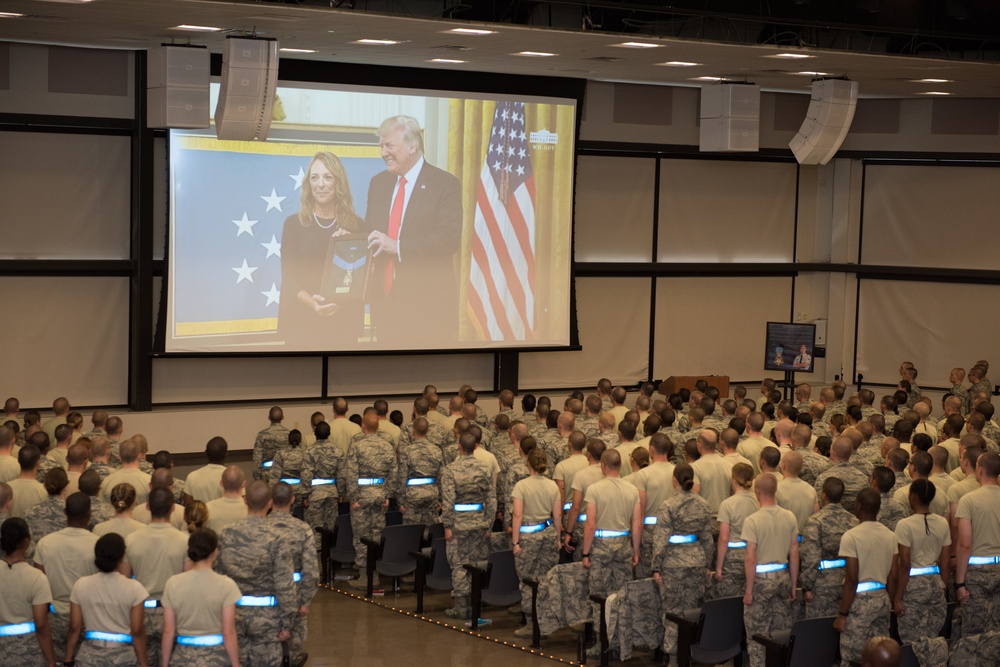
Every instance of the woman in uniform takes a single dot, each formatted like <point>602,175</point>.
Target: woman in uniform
<point>24,602</point>
<point>537,516</point>
<point>123,501</point>
<point>923,538</point>
<point>196,516</point>
<point>199,610</point>
<point>682,550</point>
<point>110,606</point>
<point>730,577</point>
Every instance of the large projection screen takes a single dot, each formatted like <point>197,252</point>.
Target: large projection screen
<point>312,241</point>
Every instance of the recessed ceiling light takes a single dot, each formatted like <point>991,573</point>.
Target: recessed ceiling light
<point>288,50</point>
<point>931,80</point>
<point>10,15</point>
<point>471,31</point>
<point>811,73</point>
<point>445,60</point>
<point>678,63</point>
<point>790,56</point>
<point>196,28</point>
<point>378,42</point>
<point>709,78</point>
<point>934,92</point>
<point>534,54</point>
<point>638,45</point>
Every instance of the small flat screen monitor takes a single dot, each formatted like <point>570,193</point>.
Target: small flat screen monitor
<point>789,347</point>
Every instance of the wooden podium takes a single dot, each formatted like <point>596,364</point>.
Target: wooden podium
<point>675,383</point>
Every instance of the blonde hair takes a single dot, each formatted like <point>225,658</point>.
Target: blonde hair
<point>195,515</point>
<point>347,218</point>
<point>123,497</point>
<point>743,474</point>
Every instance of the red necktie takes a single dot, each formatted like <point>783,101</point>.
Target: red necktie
<point>395,222</point>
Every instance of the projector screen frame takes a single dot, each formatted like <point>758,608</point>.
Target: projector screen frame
<point>782,333</point>
<point>293,72</point>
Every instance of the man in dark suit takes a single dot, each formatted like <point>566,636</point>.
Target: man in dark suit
<point>415,210</point>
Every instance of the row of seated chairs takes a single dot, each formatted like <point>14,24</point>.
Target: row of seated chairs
<point>711,634</point>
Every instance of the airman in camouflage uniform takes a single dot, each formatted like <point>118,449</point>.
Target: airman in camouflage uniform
<point>821,542</point>
<point>268,442</point>
<point>890,510</point>
<point>589,423</point>
<point>323,478</point>
<point>607,434</point>
<point>100,509</point>
<point>813,464</point>
<point>435,432</point>
<point>369,472</point>
<point>420,460</point>
<point>287,464</point>
<point>298,537</point>
<point>554,442</point>
<point>468,506</point>
<point>252,553</point>
<point>47,517</point>
<point>854,480</point>
<point>979,384</point>
<point>680,568</point>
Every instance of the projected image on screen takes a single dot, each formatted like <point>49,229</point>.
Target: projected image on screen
<point>375,221</point>
<point>789,347</point>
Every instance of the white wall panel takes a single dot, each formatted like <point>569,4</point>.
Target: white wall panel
<point>931,216</point>
<point>731,211</point>
<point>65,337</point>
<point>613,318</point>
<point>614,209</point>
<point>183,379</point>
<point>937,326</point>
<point>65,196</point>
<point>716,326</point>
<point>389,375</point>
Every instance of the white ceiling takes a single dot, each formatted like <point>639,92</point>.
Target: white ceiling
<point>139,24</point>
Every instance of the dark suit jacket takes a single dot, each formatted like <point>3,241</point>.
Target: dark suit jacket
<point>423,300</point>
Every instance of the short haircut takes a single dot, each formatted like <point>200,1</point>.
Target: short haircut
<point>467,443</point>
<point>897,459</point>
<point>884,478</point>
<point>77,505</point>
<point>128,451</point>
<point>28,457</point>
<point>322,431</point>
<point>989,463</point>
<point>922,463</point>
<point>868,502</point>
<point>161,502</point>
<point>595,448</point>
<point>233,479</point>
<point>922,442</point>
<point>258,495</point>
<point>627,429</point>
<point>771,456</point>
<point>89,482</point>
<point>660,444</point>
<point>833,489</point>
<point>282,494</point>
<point>577,441</point>
<point>216,449</point>
<point>767,484</point>
<point>162,459</point>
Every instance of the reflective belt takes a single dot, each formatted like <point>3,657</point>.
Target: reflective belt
<point>291,480</point>
<point>16,629</point>
<point>267,464</point>
<point>800,537</point>
<point>97,635</point>
<point>297,577</point>
<point>370,481</point>
<point>649,520</point>
<point>151,604</point>
<point>834,564</point>
<point>682,539</point>
<point>537,527</point>
<point>257,601</point>
<point>742,544</point>
<point>920,571</point>
<point>420,481</point>
<point>322,481</point>
<point>764,568</point>
<point>603,533</point>
<point>580,518</point>
<point>199,640</point>
<point>52,609</point>
<point>567,506</point>
<point>868,586</point>
<point>468,507</point>
<point>984,560</point>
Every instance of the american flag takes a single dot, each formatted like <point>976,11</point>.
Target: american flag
<point>502,274</point>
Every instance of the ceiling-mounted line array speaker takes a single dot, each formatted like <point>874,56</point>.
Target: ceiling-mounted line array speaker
<point>730,118</point>
<point>177,87</point>
<point>249,80</point>
<point>831,111</point>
